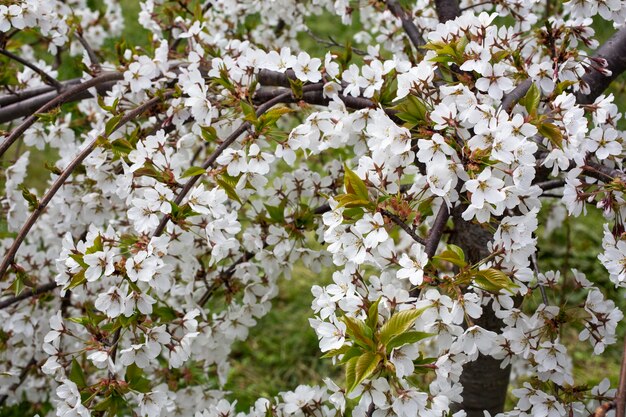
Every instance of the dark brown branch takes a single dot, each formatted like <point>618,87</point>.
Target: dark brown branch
<point>407,23</point>
<point>11,98</point>
<point>47,78</point>
<point>58,183</point>
<point>58,100</point>
<point>509,100</point>
<point>447,9</point>
<point>95,61</point>
<point>397,220</point>
<point>27,294</point>
<point>434,236</point>
<point>25,106</point>
<point>614,52</point>
<point>267,77</point>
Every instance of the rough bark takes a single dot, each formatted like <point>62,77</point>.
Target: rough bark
<point>614,52</point>
<point>484,382</point>
<point>447,9</point>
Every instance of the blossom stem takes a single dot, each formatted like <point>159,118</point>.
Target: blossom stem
<point>47,78</point>
<point>397,220</point>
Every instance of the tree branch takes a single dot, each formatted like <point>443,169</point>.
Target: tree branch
<point>217,152</point>
<point>58,100</point>
<point>58,183</point>
<point>447,9</point>
<point>47,78</point>
<point>27,294</point>
<point>434,236</point>
<point>614,52</point>
<point>11,98</point>
<point>28,103</point>
<point>509,100</point>
<point>407,23</point>
<point>397,220</point>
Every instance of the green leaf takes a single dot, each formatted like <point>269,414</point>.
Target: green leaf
<point>121,146</point>
<point>248,111</point>
<point>136,380</point>
<point>209,133</point>
<point>296,88</point>
<point>365,366</point>
<point>77,279</point>
<point>30,198</point>
<point>111,124</point>
<point>493,280</point>
<point>165,313</point>
<point>372,315</point>
<point>406,338</point>
<point>358,332</point>
<point>531,99</point>
<point>562,86</point>
<point>351,372</point>
<point>452,254</point>
<point>399,323</point>
<point>271,117</point>
<point>276,213</point>
<point>76,375</point>
<point>229,189</point>
<point>552,132</point>
<point>354,184</point>
<point>96,247</point>
<point>193,171</point>
<point>335,352</point>
<point>351,201</point>
<point>350,353</point>
<point>411,110</point>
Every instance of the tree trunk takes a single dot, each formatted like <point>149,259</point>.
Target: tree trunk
<point>484,382</point>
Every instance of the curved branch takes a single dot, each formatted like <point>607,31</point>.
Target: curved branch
<point>58,183</point>
<point>58,100</point>
<point>397,220</point>
<point>47,78</point>
<point>509,100</point>
<point>11,98</point>
<point>27,294</point>
<point>29,104</point>
<point>434,236</point>
<point>614,52</point>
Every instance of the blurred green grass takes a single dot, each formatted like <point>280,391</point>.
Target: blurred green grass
<point>282,351</point>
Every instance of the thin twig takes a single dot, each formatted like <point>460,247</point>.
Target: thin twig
<point>21,379</point>
<point>27,294</point>
<point>407,23</point>
<point>95,61</point>
<point>60,181</point>
<point>397,220</point>
<point>482,3</point>
<point>58,100</point>
<point>217,152</point>
<point>47,78</point>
